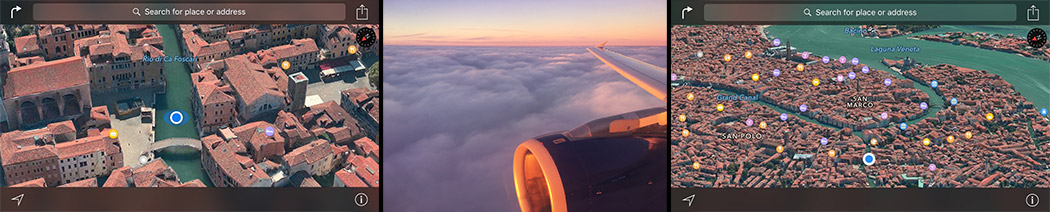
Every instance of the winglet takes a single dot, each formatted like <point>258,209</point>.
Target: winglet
<point>601,46</point>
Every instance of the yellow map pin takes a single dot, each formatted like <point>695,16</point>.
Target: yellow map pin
<point>352,49</point>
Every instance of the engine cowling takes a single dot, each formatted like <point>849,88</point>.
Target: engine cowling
<point>617,163</point>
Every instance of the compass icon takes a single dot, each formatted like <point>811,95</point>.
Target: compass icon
<point>1036,38</point>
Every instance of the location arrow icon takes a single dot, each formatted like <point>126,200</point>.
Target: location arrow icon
<point>19,199</point>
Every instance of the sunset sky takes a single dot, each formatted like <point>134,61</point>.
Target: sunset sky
<point>525,23</point>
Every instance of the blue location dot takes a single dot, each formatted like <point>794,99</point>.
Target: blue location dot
<point>783,116</point>
<point>864,69</point>
<point>776,42</point>
<point>954,101</point>
<point>825,59</point>
<point>269,131</point>
<point>933,84</point>
<point>176,117</point>
<point>852,75</point>
<point>1042,111</point>
<point>869,159</point>
<point>802,108</point>
<point>887,81</point>
<point>923,105</point>
<point>904,126</point>
<point>776,72</point>
<point>823,141</point>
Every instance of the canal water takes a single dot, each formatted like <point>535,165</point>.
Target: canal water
<point>186,161</point>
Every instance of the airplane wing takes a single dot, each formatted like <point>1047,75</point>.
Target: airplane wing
<point>650,77</point>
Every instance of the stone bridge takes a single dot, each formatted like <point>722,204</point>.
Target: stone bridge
<point>186,142</point>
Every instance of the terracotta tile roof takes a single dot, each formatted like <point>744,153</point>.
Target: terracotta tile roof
<point>193,184</point>
<point>37,183</point>
<point>26,80</point>
<point>80,147</point>
<point>252,81</point>
<point>309,153</point>
<point>23,146</point>
<point>329,114</point>
<point>296,48</point>
<point>23,61</point>
<point>86,183</point>
<point>368,146</point>
<point>288,124</point>
<point>233,162</point>
<point>155,174</point>
<point>211,90</point>
<point>357,93</point>
<point>309,182</point>
<point>119,177</point>
<point>364,167</point>
<point>62,127</point>
<point>340,150</point>
<point>349,179</point>
<point>199,47</point>
<point>340,135</point>
<point>100,113</point>
<point>374,110</point>
<point>239,34</point>
<point>254,134</point>
<point>26,44</point>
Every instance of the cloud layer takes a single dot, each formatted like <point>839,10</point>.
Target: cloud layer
<point>452,116</point>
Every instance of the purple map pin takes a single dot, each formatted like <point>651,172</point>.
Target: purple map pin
<point>783,116</point>
<point>825,59</point>
<point>840,78</point>
<point>805,55</point>
<point>749,122</point>
<point>864,69</point>
<point>922,105</point>
<point>776,42</point>
<point>674,77</point>
<point>933,167</point>
<point>776,72</point>
<point>269,131</point>
<point>802,107</point>
<point>823,141</point>
<point>842,59</point>
<point>855,61</point>
<point>887,81</point>
<point>884,115</point>
<point>852,75</point>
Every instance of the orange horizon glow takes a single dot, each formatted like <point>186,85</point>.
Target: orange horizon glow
<point>533,23</point>
<point>498,37</point>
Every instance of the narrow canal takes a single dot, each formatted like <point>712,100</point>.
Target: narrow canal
<point>186,161</point>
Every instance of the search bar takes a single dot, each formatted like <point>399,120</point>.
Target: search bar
<point>189,12</point>
<point>886,13</point>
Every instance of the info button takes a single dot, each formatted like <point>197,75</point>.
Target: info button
<point>361,199</point>
<point>1031,200</point>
